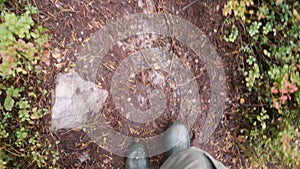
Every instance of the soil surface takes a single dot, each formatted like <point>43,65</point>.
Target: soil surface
<point>71,23</point>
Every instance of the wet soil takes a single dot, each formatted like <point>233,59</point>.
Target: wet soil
<point>71,23</point>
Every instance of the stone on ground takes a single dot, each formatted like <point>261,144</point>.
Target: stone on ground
<point>75,99</point>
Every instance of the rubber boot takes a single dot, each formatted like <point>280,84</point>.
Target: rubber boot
<point>177,139</point>
<point>137,157</point>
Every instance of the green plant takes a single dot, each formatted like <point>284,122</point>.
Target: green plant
<point>269,40</point>
<point>22,52</point>
<point>233,35</point>
<point>2,3</point>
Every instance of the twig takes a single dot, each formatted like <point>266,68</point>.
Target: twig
<point>183,84</point>
<point>190,4</point>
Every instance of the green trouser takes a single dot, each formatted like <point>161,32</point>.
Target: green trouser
<point>192,158</point>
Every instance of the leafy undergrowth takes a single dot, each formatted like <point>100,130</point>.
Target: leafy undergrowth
<point>23,47</point>
<point>268,36</point>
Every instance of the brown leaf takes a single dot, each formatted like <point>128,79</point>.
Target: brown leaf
<point>240,138</point>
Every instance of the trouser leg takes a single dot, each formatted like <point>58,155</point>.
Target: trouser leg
<point>192,158</point>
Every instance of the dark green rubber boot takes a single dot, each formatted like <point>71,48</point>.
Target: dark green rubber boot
<point>137,157</point>
<point>177,139</point>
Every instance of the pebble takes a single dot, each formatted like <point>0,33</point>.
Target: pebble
<point>132,75</point>
<point>217,8</point>
<point>156,66</point>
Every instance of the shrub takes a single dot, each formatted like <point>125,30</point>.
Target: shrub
<point>268,34</point>
<point>22,48</point>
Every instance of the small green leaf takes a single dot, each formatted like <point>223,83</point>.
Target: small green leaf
<point>32,94</point>
<point>9,103</point>
<point>267,28</point>
<point>23,104</point>
<point>12,92</point>
<point>33,35</point>
<point>254,28</point>
<point>251,60</point>
<point>233,35</point>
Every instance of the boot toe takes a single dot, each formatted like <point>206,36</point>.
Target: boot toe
<point>177,139</point>
<point>137,157</point>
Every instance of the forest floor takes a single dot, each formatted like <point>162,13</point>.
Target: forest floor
<point>71,23</point>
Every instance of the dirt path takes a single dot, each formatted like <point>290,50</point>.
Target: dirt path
<point>72,23</point>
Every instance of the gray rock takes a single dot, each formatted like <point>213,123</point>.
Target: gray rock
<point>74,101</point>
